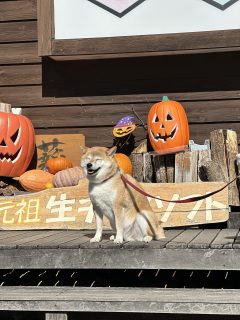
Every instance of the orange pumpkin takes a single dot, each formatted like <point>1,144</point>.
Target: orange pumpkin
<point>124,163</point>
<point>57,164</point>
<point>168,126</point>
<point>35,180</point>
<point>17,143</point>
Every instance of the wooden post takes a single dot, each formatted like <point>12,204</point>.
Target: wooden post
<point>147,168</point>
<point>186,166</point>
<point>164,167</point>
<point>137,163</point>
<point>56,316</point>
<point>5,107</point>
<point>224,148</point>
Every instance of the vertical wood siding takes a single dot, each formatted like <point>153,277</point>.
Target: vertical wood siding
<point>90,96</point>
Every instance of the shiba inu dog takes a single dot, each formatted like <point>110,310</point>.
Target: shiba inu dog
<point>128,211</point>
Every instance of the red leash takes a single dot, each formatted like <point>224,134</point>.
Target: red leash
<point>192,199</point>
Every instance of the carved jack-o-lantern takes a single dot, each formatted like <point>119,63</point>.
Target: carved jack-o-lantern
<point>124,127</point>
<point>17,143</point>
<point>168,127</point>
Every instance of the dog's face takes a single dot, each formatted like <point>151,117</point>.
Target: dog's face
<point>98,163</point>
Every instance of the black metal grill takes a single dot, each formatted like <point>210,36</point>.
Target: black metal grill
<point>122,278</point>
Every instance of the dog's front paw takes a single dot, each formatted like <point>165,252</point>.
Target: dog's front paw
<point>118,240</point>
<point>95,239</point>
<point>112,237</point>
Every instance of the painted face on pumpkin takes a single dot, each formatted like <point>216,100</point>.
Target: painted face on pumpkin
<point>124,127</point>
<point>123,131</point>
<point>163,129</point>
<point>17,142</point>
<point>168,127</point>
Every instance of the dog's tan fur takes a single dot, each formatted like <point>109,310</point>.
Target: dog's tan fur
<point>128,211</point>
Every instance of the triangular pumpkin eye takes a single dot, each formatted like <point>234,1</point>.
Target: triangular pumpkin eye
<point>169,117</point>
<point>14,136</point>
<point>155,118</point>
<point>3,143</point>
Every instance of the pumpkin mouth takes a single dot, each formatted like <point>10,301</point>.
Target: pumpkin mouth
<point>164,138</point>
<point>123,132</point>
<point>92,172</point>
<point>10,157</point>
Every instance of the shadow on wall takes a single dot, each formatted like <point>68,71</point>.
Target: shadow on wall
<point>147,75</point>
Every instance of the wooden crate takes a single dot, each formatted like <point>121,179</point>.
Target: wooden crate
<point>217,164</point>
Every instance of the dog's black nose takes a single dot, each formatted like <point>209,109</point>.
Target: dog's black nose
<point>89,165</point>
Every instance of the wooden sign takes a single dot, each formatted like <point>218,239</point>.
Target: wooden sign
<point>71,208</point>
<point>59,145</point>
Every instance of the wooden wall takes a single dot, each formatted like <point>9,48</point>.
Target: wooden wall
<point>90,96</point>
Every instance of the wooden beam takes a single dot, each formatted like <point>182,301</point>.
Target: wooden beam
<point>140,300</point>
<point>119,258</point>
<point>45,13</point>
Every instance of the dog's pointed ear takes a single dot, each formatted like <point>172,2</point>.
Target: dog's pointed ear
<point>111,151</point>
<point>83,149</point>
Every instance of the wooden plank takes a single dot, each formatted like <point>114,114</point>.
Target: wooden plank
<point>190,173</point>
<point>63,145</point>
<point>159,169</point>
<point>24,243</point>
<point>198,132</point>
<point>79,242</point>
<point>11,234</point>
<point>15,53</point>
<point>45,26</point>
<point>223,153</point>
<point>56,316</point>
<point>114,300</point>
<point>18,31</point>
<point>147,167</point>
<point>183,239</point>
<point>107,114</point>
<point>158,43</point>
<point>225,239</point>
<point>119,258</point>
<point>50,241</point>
<point>145,54</point>
<point>137,163</point>
<point>18,10</point>
<point>231,151</point>
<point>11,242</point>
<point>179,167</point>
<point>32,96</point>
<point>186,168</point>
<point>44,210</point>
<point>204,157</point>
<point>170,167</point>
<point>204,239</point>
<point>160,244</point>
<point>25,74</point>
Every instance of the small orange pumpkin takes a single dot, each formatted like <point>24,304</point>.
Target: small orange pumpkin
<point>57,164</point>
<point>124,163</point>
<point>35,180</point>
<point>168,126</point>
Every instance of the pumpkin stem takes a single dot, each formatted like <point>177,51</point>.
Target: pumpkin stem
<point>16,178</point>
<point>5,107</point>
<point>165,98</point>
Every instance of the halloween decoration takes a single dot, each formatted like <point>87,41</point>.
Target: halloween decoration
<point>35,180</point>
<point>124,163</point>
<point>168,127</point>
<point>57,164</point>
<point>17,143</point>
<point>68,177</point>
<point>124,127</point>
